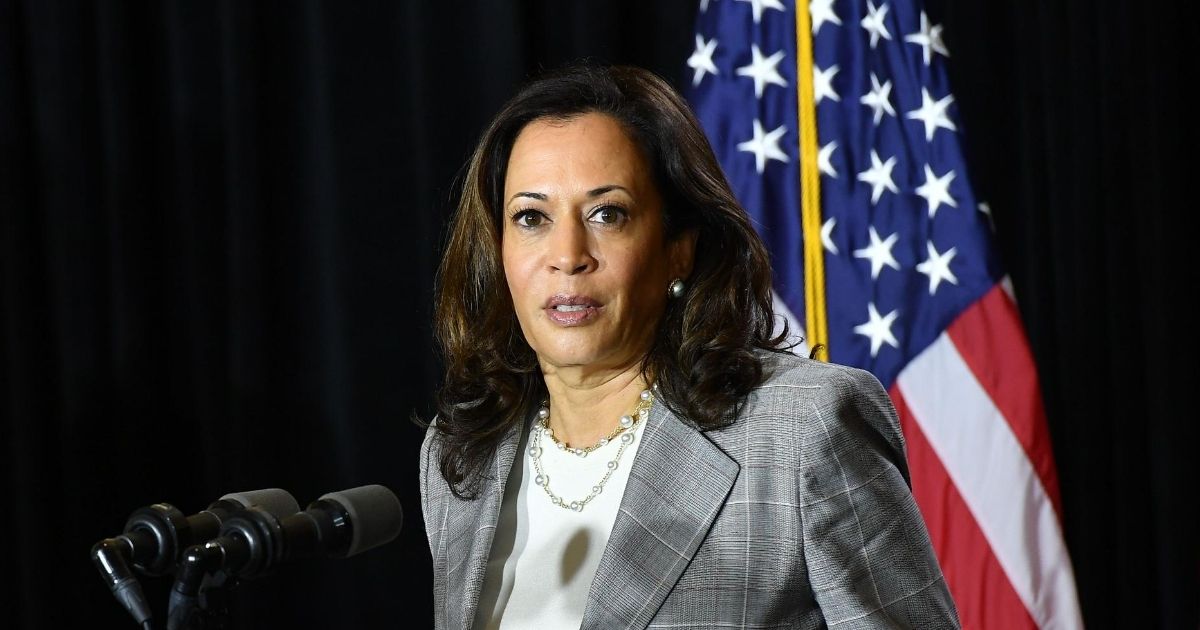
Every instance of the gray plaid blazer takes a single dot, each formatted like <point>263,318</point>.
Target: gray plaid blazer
<point>797,515</point>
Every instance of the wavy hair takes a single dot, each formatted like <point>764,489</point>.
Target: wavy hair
<point>704,357</point>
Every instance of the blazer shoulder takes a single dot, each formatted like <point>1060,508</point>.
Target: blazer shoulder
<point>433,486</point>
<point>829,381</point>
<point>847,401</point>
<point>431,436</point>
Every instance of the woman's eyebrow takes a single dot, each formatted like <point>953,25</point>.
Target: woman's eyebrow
<point>596,192</point>
<point>531,195</point>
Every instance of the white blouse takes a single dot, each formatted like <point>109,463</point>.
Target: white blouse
<point>544,557</point>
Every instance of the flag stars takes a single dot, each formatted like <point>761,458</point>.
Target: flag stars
<point>822,12</point>
<point>879,252</point>
<point>823,84</point>
<point>937,266</point>
<point>879,176</point>
<point>878,329</point>
<point>936,190</point>
<point>763,70</point>
<point>827,236</point>
<point>701,60</point>
<point>933,114</point>
<point>873,23</point>
<point>764,146</point>
<point>825,159</point>
<point>878,99</point>
<point>929,39</point>
<point>757,6</point>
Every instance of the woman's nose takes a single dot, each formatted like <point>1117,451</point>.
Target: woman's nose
<point>570,250</point>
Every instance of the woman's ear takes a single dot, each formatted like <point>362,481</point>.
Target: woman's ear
<point>683,254</point>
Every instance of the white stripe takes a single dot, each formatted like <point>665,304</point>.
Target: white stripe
<point>985,461</point>
<point>795,328</point>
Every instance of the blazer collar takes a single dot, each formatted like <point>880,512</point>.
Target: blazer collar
<point>677,486</point>
<point>471,539</point>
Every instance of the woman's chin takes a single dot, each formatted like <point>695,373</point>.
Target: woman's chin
<point>567,360</point>
<point>598,356</point>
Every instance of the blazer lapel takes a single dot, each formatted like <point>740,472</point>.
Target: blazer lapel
<point>471,529</point>
<point>677,486</point>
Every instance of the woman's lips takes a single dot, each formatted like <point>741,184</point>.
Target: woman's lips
<point>571,310</point>
<point>576,317</point>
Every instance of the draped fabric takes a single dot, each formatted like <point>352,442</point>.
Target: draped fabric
<point>219,224</point>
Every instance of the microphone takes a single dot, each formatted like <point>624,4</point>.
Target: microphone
<point>156,535</point>
<point>251,543</point>
<point>337,525</point>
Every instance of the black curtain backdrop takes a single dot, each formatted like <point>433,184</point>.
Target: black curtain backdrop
<point>219,224</point>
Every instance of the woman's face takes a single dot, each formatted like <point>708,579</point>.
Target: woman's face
<point>585,252</point>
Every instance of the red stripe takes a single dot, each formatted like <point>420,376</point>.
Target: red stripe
<point>980,587</point>
<point>992,342</point>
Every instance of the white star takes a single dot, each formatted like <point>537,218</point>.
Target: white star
<point>822,12</point>
<point>937,267</point>
<point>827,235</point>
<point>764,146</point>
<point>879,176</point>
<point>986,209</point>
<point>929,37</point>
<point>936,190</point>
<point>703,6</point>
<point>823,83</point>
<point>762,69</point>
<point>879,253</point>
<point>823,159</point>
<point>878,98</point>
<point>933,114</point>
<point>757,7</point>
<point>874,25</point>
<point>701,60</point>
<point>878,329</point>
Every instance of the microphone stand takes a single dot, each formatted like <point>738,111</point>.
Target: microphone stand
<point>200,596</point>
<point>250,542</point>
<point>214,601</point>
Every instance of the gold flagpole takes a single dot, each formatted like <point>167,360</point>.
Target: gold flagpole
<point>810,189</point>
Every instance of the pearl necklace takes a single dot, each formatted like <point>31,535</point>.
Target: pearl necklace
<point>623,429</point>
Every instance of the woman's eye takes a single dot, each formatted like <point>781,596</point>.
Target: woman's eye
<point>529,218</point>
<point>608,214</point>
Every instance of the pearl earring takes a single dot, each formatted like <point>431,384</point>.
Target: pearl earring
<point>675,289</point>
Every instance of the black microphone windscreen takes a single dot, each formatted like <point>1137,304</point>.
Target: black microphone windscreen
<point>279,503</point>
<point>375,515</point>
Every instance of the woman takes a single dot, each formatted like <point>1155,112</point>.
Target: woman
<point>621,442</point>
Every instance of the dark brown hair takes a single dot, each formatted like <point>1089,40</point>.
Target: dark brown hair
<point>704,356</point>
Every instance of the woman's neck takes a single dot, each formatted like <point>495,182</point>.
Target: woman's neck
<point>587,407</point>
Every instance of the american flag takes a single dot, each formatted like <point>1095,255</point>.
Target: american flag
<point>896,272</point>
